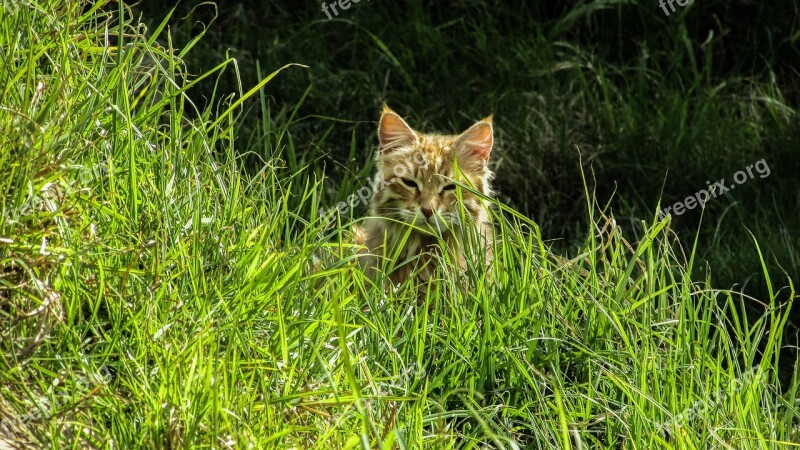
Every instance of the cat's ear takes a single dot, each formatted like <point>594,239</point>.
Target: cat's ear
<point>394,132</point>
<point>477,141</point>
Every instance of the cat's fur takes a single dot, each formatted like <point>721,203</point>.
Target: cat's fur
<point>414,206</point>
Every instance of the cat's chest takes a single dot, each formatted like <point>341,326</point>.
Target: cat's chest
<point>423,246</point>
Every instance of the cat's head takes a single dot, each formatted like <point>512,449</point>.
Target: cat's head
<point>419,173</point>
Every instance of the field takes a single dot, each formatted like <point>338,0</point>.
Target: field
<point>160,184</point>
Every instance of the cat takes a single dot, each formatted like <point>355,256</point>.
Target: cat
<point>416,216</point>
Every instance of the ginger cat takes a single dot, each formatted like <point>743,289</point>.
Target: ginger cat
<point>415,211</point>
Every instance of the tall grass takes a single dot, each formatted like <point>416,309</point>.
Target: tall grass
<point>154,294</point>
<point>656,105</point>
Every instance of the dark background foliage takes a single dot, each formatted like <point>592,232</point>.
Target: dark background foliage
<point>650,106</point>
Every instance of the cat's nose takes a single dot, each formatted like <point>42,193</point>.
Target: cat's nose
<point>427,212</point>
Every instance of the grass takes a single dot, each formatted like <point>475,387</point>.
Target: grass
<point>652,105</point>
<point>655,105</point>
<point>155,293</point>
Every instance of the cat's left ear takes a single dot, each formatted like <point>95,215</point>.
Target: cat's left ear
<point>478,140</point>
<point>394,132</point>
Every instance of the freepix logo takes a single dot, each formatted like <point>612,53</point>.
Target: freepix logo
<point>336,6</point>
<point>719,188</point>
<point>10,6</point>
<point>671,3</point>
<point>363,195</point>
<point>55,398</point>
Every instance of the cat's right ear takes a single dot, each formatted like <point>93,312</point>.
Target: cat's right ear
<point>394,132</point>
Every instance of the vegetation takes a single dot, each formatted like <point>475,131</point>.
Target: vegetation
<point>652,106</point>
<point>157,278</point>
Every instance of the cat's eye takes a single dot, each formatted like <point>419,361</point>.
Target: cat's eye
<point>449,187</point>
<point>410,183</point>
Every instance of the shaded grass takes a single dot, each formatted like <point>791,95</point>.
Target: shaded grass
<point>155,294</point>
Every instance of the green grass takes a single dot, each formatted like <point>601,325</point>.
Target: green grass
<point>653,105</point>
<point>156,294</point>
